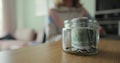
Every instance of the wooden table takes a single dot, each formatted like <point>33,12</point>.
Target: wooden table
<point>52,53</point>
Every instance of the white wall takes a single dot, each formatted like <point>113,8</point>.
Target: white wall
<point>26,15</point>
<point>90,6</point>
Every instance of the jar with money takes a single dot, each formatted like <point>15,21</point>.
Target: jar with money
<point>83,36</point>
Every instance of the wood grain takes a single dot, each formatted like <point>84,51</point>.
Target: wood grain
<point>109,52</point>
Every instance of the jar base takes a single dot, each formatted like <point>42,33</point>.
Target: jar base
<point>94,52</point>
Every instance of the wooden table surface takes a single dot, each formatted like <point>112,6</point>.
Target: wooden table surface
<point>52,53</point>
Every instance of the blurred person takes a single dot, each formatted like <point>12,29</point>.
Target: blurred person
<point>63,10</point>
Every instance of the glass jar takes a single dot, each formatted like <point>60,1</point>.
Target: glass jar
<point>83,36</point>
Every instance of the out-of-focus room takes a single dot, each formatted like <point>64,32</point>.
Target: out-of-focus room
<point>24,21</point>
<point>29,27</point>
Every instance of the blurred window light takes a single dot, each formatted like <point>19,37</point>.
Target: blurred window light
<point>42,7</point>
<point>0,3</point>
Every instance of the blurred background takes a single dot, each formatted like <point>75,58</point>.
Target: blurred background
<point>32,14</point>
